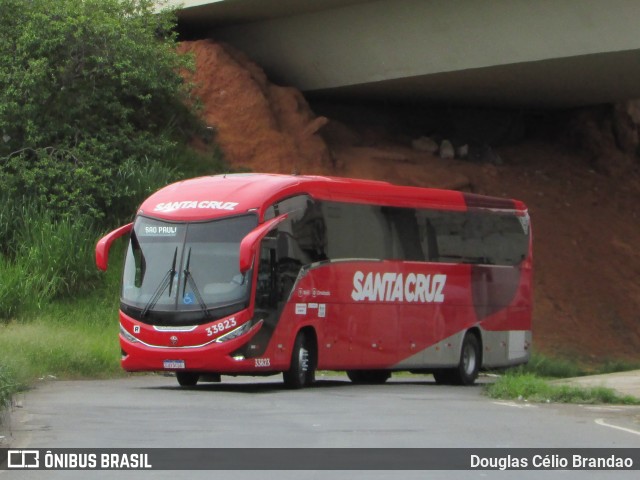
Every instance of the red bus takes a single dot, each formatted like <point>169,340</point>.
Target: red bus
<point>258,274</point>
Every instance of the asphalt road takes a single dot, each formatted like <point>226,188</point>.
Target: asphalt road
<point>152,411</point>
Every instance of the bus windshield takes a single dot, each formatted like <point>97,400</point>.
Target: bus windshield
<point>185,271</point>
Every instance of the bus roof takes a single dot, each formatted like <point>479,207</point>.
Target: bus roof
<point>232,194</point>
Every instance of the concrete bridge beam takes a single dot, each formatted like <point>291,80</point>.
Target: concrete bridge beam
<point>555,52</point>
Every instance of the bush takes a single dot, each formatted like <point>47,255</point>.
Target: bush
<point>88,89</point>
<point>10,288</point>
<point>46,257</point>
<point>56,253</point>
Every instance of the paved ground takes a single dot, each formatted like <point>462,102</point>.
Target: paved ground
<point>152,411</point>
<point>408,412</point>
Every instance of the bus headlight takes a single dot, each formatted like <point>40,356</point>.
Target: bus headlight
<point>127,335</point>
<point>241,330</point>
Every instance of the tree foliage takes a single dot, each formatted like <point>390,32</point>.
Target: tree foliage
<point>88,88</point>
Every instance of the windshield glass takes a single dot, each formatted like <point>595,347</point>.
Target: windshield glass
<point>185,267</point>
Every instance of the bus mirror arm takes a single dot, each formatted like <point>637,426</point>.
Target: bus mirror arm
<point>249,244</point>
<point>104,245</point>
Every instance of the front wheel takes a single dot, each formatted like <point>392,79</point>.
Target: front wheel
<point>302,371</point>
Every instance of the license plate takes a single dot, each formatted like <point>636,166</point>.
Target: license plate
<point>173,364</point>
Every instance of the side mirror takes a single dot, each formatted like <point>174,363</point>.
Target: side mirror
<point>104,245</point>
<point>249,244</point>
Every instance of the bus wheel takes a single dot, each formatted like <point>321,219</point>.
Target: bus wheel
<point>468,367</point>
<point>187,379</point>
<point>368,377</point>
<point>469,364</point>
<point>302,371</point>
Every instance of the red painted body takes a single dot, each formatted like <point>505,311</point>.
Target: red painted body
<point>403,321</point>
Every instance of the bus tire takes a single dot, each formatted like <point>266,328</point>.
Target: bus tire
<point>302,371</point>
<point>187,379</point>
<point>469,364</point>
<point>368,377</point>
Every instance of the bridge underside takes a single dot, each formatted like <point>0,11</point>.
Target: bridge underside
<point>585,80</point>
<point>495,52</point>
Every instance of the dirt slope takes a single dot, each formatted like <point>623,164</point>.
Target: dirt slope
<point>260,126</point>
<point>586,226</point>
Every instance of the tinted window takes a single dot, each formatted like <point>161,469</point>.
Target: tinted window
<point>325,230</point>
<point>370,231</point>
<point>357,231</point>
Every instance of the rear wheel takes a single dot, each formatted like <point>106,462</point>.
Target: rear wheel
<point>302,371</point>
<point>368,377</point>
<point>468,367</point>
<point>187,379</point>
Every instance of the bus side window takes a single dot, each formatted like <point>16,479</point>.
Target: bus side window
<point>280,262</point>
<point>140,262</point>
<point>432,242</point>
<point>405,234</point>
<point>266,291</point>
<point>289,264</point>
<point>310,232</point>
<point>356,231</point>
<point>307,225</point>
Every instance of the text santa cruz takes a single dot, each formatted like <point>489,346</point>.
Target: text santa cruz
<point>396,287</point>
<point>188,204</point>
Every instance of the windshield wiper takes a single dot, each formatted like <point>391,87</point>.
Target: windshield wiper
<point>192,283</point>
<point>167,281</point>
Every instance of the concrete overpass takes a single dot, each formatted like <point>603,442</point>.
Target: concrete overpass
<point>543,53</point>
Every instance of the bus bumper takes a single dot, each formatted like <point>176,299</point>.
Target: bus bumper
<point>214,357</point>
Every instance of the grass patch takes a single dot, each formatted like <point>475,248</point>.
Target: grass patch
<point>8,386</point>
<point>66,338</point>
<point>551,367</point>
<point>612,366</point>
<point>43,257</point>
<point>530,387</point>
<point>71,339</point>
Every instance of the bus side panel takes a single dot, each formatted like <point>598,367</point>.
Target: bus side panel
<point>443,353</point>
<point>506,334</point>
<point>519,309</point>
<point>277,355</point>
<point>505,348</point>
<point>365,326</point>
<point>373,335</point>
<point>378,313</point>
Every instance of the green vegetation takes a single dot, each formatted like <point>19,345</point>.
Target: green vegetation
<point>7,386</point>
<point>531,382</point>
<point>530,387</point>
<point>89,89</point>
<point>94,116</point>
<point>71,337</point>
<point>611,366</point>
<point>552,367</point>
<point>48,257</point>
